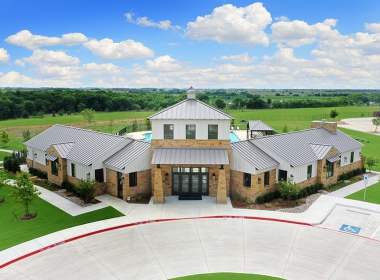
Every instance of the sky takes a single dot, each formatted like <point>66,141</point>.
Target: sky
<point>274,44</point>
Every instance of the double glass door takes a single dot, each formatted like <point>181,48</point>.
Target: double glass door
<point>190,181</point>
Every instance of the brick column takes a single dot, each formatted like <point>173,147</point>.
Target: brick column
<point>221,194</point>
<point>158,191</point>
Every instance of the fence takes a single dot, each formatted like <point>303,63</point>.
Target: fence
<point>128,129</point>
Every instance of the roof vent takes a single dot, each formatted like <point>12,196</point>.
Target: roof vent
<point>191,93</point>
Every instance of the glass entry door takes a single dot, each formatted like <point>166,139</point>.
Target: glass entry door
<point>190,181</point>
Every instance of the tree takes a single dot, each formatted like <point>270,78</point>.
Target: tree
<point>88,115</point>
<point>371,161</point>
<point>24,191</point>
<point>111,125</point>
<point>334,113</point>
<point>219,103</point>
<point>3,179</point>
<point>86,189</point>
<point>288,189</point>
<point>148,124</point>
<point>26,135</point>
<point>4,138</point>
<point>376,122</point>
<point>285,129</point>
<point>134,125</point>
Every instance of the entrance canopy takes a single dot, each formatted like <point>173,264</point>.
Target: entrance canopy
<point>190,156</point>
<point>51,157</point>
<point>333,159</point>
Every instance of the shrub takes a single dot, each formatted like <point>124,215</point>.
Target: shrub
<point>277,204</point>
<point>260,199</point>
<point>68,186</point>
<point>276,194</point>
<point>86,189</point>
<point>248,201</point>
<point>288,189</point>
<point>268,205</point>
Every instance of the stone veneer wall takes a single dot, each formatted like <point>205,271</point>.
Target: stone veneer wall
<point>213,185</point>
<point>143,184</point>
<point>39,166</point>
<point>256,188</point>
<point>62,170</point>
<point>330,126</point>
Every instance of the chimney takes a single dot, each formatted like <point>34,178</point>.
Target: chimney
<point>329,126</point>
<point>191,93</point>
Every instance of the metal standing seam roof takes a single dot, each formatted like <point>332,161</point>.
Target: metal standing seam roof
<point>333,158</point>
<point>190,156</point>
<point>89,145</point>
<point>191,109</point>
<point>253,155</point>
<point>127,154</point>
<point>259,126</point>
<point>294,147</point>
<point>51,157</point>
<point>63,148</point>
<point>320,150</point>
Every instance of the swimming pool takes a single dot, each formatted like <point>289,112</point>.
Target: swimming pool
<point>148,137</point>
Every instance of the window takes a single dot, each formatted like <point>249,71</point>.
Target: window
<point>168,131</point>
<point>54,168</point>
<point>309,171</point>
<point>212,131</point>
<point>266,178</point>
<point>330,169</point>
<point>99,175</point>
<point>73,173</point>
<point>190,131</point>
<point>352,157</point>
<point>247,180</point>
<point>133,179</point>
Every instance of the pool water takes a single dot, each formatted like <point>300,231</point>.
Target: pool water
<point>148,137</point>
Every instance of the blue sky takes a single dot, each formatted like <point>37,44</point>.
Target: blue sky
<point>205,44</point>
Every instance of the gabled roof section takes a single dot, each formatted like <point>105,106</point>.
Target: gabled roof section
<point>63,148</point>
<point>259,126</point>
<point>190,156</point>
<point>88,145</point>
<point>295,148</point>
<point>252,154</point>
<point>320,150</point>
<point>127,154</point>
<point>191,109</point>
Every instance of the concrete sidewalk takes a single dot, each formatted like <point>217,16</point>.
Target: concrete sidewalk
<point>353,188</point>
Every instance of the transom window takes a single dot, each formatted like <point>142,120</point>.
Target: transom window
<point>247,180</point>
<point>309,170</point>
<point>190,131</point>
<point>168,131</point>
<point>212,131</point>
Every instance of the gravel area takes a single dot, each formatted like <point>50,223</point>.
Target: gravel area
<point>73,199</point>
<point>309,201</point>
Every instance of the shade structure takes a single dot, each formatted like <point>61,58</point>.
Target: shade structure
<point>190,156</point>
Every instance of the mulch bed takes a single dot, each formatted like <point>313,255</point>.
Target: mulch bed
<point>281,204</point>
<point>28,216</point>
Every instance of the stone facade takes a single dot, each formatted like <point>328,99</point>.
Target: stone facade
<point>62,167</point>
<point>221,194</point>
<point>330,126</point>
<point>37,165</point>
<point>257,185</point>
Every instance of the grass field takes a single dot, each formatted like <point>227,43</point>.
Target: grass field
<point>49,219</point>
<point>227,276</point>
<point>372,194</point>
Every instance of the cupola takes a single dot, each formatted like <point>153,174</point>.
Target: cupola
<point>191,93</point>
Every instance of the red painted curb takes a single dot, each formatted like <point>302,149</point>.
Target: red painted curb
<point>142,223</point>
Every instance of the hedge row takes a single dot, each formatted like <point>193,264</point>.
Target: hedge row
<point>69,187</point>
<point>352,173</point>
<point>12,164</point>
<point>38,173</point>
<point>268,197</point>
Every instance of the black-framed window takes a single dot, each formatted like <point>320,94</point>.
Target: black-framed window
<point>99,175</point>
<point>212,131</point>
<point>73,171</point>
<point>190,131</point>
<point>168,131</point>
<point>352,157</point>
<point>266,178</point>
<point>309,171</point>
<point>54,168</point>
<point>330,169</point>
<point>247,180</point>
<point>133,179</point>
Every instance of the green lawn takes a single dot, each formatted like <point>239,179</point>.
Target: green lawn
<point>227,276</point>
<point>49,219</point>
<point>372,194</point>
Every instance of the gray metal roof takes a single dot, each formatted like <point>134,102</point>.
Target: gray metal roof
<point>333,158</point>
<point>259,126</point>
<point>51,157</point>
<point>320,150</point>
<point>191,109</point>
<point>127,154</point>
<point>252,154</point>
<point>294,147</point>
<point>189,156</point>
<point>64,148</point>
<point>89,145</point>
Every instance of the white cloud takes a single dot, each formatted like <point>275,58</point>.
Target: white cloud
<point>4,56</point>
<point>160,64</point>
<point>172,44</point>
<point>240,58</point>
<point>373,27</point>
<point>26,39</point>
<point>45,57</point>
<point>229,24</point>
<point>128,49</point>
<point>281,18</point>
<point>144,21</point>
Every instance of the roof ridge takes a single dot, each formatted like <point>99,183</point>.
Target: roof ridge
<point>88,130</point>
<point>216,109</point>
<point>163,110</point>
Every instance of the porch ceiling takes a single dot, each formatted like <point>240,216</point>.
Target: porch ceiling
<point>190,156</point>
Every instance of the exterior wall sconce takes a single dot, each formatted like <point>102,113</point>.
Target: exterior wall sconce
<point>88,176</point>
<point>35,155</point>
<point>158,166</point>
<point>213,176</point>
<point>222,166</point>
<point>128,199</point>
<point>291,177</point>
<point>58,166</point>
<point>345,159</point>
<point>166,177</point>
<point>259,180</point>
<point>324,168</point>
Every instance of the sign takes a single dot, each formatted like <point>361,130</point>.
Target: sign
<point>366,179</point>
<point>350,229</point>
